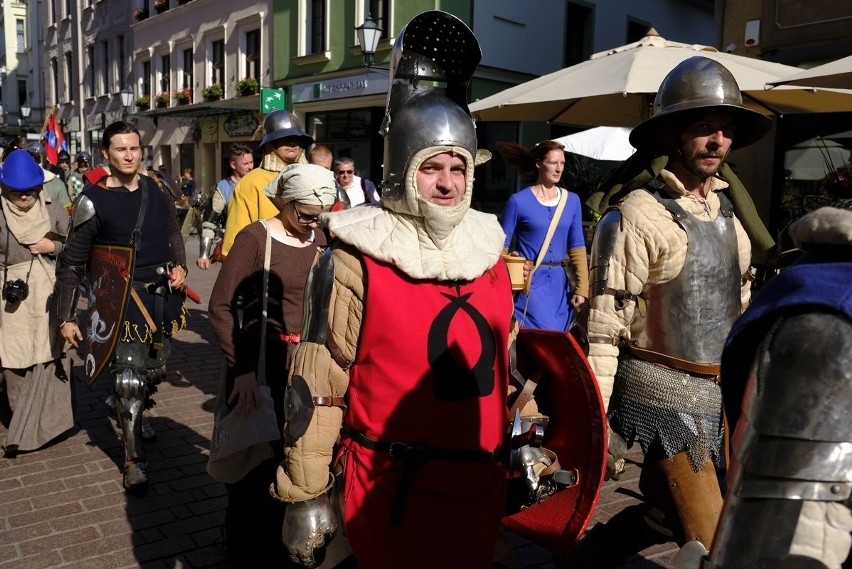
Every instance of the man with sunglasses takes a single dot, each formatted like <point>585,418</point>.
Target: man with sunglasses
<point>284,144</point>
<point>358,190</point>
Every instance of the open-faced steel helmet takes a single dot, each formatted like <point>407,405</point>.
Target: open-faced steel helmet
<point>281,124</point>
<point>695,85</point>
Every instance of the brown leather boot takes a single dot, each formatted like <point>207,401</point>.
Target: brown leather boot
<point>691,501</point>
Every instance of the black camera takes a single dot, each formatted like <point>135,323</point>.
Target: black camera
<point>15,291</point>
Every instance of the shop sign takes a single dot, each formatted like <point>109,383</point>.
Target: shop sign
<point>240,125</point>
<point>372,84</point>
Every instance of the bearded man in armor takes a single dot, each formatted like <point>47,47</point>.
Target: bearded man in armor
<point>669,272</point>
<point>125,243</point>
<point>404,351</point>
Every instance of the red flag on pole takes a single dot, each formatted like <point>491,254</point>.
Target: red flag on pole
<point>54,139</point>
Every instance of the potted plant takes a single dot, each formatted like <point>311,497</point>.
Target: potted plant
<point>143,103</point>
<point>183,96</point>
<point>161,6</point>
<point>247,86</point>
<point>162,100</point>
<point>140,14</point>
<point>213,93</point>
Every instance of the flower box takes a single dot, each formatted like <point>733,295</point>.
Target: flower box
<point>247,86</point>
<point>183,96</point>
<point>140,14</point>
<point>161,6</point>
<point>162,100</point>
<point>143,103</point>
<point>213,92</point>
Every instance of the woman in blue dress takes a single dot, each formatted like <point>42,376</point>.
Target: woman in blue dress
<point>552,300</point>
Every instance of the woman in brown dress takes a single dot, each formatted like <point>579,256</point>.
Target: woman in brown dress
<point>301,192</point>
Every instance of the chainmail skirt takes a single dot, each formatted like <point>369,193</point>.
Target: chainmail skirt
<point>668,411</point>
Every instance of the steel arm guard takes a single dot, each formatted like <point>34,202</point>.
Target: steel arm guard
<point>790,487</point>
<point>205,247</point>
<point>603,245</point>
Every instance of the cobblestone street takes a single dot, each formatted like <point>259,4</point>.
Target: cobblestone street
<point>64,506</point>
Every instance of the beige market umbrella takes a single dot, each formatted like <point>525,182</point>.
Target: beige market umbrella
<point>833,75</point>
<point>617,87</point>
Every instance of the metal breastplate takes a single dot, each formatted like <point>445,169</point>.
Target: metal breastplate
<point>690,316</point>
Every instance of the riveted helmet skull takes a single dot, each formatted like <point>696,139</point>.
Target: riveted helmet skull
<point>282,124</point>
<point>434,48</point>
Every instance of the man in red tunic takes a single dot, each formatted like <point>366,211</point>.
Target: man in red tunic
<point>404,352</point>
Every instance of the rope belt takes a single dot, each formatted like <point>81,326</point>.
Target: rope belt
<point>708,371</point>
<point>413,457</point>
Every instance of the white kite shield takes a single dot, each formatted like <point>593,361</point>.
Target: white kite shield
<point>600,143</point>
<point>617,87</point>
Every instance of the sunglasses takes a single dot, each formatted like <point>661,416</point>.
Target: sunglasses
<point>306,219</point>
<point>345,171</point>
<point>28,194</point>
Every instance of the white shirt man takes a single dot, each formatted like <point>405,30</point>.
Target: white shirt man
<point>359,190</point>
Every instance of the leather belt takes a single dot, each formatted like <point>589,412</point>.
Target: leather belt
<point>413,456</point>
<point>329,401</point>
<point>423,453</point>
<point>709,371</point>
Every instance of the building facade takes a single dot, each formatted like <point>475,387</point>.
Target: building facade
<point>21,80</point>
<point>198,67</point>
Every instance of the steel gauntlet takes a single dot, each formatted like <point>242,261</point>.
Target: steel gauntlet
<point>309,526</point>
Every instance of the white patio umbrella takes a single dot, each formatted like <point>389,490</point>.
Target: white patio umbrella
<point>832,75</point>
<point>617,87</point>
<point>600,143</point>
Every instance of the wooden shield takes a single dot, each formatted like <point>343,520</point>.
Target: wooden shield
<point>568,392</point>
<point>110,270</point>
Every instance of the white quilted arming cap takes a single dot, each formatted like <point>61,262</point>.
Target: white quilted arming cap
<point>424,240</point>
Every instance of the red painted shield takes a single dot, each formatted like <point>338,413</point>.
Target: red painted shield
<point>568,392</point>
<point>110,267</point>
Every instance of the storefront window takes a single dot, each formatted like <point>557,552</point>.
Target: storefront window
<point>347,133</point>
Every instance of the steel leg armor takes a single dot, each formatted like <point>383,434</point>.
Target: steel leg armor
<point>791,478</point>
<point>137,371</point>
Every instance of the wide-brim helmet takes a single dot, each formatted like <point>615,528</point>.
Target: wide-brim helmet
<point>697,86</point>
<point>282,124</point>
<point>84,156</point>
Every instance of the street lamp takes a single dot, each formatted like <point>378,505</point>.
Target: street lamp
<point>368,39</point>
<point>126,100</point>
<point>25,113</point>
